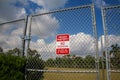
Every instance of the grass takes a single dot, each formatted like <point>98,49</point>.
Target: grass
<point>75,76</point>
<point>69,76</point>
<point>115,76</point>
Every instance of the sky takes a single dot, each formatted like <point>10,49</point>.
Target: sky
<point>77,23</point>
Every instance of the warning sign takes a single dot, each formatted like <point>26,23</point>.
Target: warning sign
<point>62,44</point>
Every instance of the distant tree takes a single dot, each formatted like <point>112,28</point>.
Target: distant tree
<point>11,67</point>
<point>37,56</point>
<point>68,56</point>
<point>14,51</point>
<point>58,62</point>
<point>36,63</point>
<point>1,49</point>
<point>78,62</point>
<point>50,63</point>
<point>89,61</point>
<point>32,53</point>
<point>17,51</point>
<point>115,56</point>
<point>115,50</point>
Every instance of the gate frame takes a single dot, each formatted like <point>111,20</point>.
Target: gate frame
<point>27,37</point>
<point>103,12</point>
<point>97,71</point>
<point>96,40</point>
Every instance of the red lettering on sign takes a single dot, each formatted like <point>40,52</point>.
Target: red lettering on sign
<point>62,44</point>
<point>64,37</point>
<point>62,51</point>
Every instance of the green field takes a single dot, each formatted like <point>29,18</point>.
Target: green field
<point>69,76</point>
<point>75,76</point>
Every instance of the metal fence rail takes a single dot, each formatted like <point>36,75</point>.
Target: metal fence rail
<point>64,71</point>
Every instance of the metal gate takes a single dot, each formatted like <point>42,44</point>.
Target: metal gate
<point>81,64</point>
<point>111,24</point>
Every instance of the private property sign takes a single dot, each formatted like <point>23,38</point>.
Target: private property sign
<point>62,44</point>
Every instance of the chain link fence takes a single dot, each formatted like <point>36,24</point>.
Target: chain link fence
<point>11,34</point>
<point>82,61</point>
<point>111,18</point>
<point>35,38</point>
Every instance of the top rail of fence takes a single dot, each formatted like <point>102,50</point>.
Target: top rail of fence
<point>12,21</point>
<point>50,12</point>
<point>111,7</point>
<point>62,10</point>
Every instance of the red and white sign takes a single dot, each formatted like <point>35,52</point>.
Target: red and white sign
<point>62,44</point>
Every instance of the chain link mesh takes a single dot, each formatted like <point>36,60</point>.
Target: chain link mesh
<point>112,22</point>
<point>11,36</point>
<point>44,63</point>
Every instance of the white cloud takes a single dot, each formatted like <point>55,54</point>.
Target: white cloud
<point>99,3</point>
<point>101,43</point>
<point>9,42</point>
<point>10,35</point>
<point>80,44</point>
<point>10,12</point>
<point>111,40</point>
<point>24,2</point>
<point>45,25</point>
<point>50,4</point>
<point>12,28</point>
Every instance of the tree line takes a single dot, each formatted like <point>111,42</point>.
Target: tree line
<point>14,67</point>
<point>11,67</point>
<point>89,61</point>
<point>72,61</point>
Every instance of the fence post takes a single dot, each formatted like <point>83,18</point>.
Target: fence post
<point>105,42</point>
<point>103,59</point>
<point>24,37</point>
<point>29,34</point>
<point>96,41</point>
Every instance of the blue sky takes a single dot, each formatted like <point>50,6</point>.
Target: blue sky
<point>30,7</point>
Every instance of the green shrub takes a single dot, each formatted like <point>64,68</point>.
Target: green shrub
<point>11,67</point>
<point>35,64</point>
